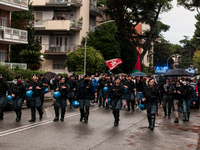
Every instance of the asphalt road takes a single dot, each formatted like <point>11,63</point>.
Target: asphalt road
<point>99,133</point>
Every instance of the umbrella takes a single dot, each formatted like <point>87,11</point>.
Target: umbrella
<point>138,74</point>
<point>177,72</point>
<point>49,75</point>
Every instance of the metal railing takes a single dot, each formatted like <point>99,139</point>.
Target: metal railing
<point>51,2</point>
<point>76,24</point>
<point>21,3</point>
<point>13,34</point>
<point>96,9</point>
<point>53,48</point>
<point>13,65</point>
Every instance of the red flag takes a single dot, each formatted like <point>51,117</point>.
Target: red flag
<point>113,63</point>
<point>137,67</point>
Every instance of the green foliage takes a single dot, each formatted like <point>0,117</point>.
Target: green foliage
<point>189,4</point>
<point>95,61</point>
<point>196,38</point>
<point>7,74</point>
<point>23,52</point>
<point>62,74</point>
<point>79,73</point>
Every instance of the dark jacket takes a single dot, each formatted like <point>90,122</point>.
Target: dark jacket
<point>140,86</point>
<point>109,83</point>
<point>170,91</point>
<point>85,90</point>
<point>73,84</point>
<point>3,87</point>
<point>19,90</point>
<point>151,94</point>
<point>101,83</point>
<point>115,92</point>
<point>131,86</point>
<point>179,96</point>
<point>36,92</point>
<point>63,92</point>
<point>189,93</point>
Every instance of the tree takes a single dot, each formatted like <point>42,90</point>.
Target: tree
<point>128,14</point>
<point>104,39</point>
<point>94,62</point>
<point>187,53</point>
<point>196,38</point>
<point>30,50</point>
<point>197,58</point>
<point>190,4</point>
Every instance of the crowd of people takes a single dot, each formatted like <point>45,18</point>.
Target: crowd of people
<point>107,90</point>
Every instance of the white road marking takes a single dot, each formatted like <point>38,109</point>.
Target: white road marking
<point>33,125</point>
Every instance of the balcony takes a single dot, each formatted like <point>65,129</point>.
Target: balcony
<point>14,5</point>
<point>53,49</point>
<point>58,25</point>
<point>59,3</point>
<point>95,11</point>
<point>13,36</point>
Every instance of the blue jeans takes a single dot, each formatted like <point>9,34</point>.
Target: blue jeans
<point>151,109</point>
<point>139,97</point>
<point>61,102</point>
<point>186,105</point>
<point>84,103</point>
<point>35,102</point>
<point>3,101</point>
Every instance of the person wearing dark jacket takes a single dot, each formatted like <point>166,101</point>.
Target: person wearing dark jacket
<point>129,85</point>
<point>3,89</point>
<point>115,94</point>
<point>100,86</point>
<point>178,95</point>
<point>140,86</point>
<point>85,92</point>
<point>45,84</point>
<point>63,88</point>
<point>37,87</point>
<point>168,98</point>
<point>189,94</point>
<point>151,94</point>
<point>18,93</point>
<point>73,84</point>
<point>108,83</point>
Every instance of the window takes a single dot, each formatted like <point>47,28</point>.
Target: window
<point>3,56</point>
<point>39,38</point>
<point>58,66</point>
<point>3,21</point>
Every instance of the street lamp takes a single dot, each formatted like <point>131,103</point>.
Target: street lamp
<point>86,42</point>
<point>169,58</point>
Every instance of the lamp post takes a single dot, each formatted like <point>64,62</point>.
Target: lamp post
<point>169,58</point>
<point>86,42</point>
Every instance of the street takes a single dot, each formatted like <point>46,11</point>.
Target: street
<point>99,133</point>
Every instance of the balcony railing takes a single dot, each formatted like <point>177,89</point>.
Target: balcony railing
<point>13,34</point>
<point>20,3</point>
<point>53,48</point>
<point>64,2</point>
<point>96,10</point>
<point>74,24</point>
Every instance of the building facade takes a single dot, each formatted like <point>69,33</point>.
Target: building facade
<point>9,35</point>
<point>60,25</point>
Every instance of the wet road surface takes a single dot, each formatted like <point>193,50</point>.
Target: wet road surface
<point>99,133</point>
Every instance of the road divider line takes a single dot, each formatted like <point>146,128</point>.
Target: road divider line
<point>30,126</point>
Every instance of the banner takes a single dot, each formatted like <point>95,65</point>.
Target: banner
<point>113,63</point>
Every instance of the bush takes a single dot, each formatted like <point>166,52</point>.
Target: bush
<point>8,74</point>
<point>62,74</point>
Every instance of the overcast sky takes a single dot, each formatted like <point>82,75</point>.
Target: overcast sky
<point>181,22</point>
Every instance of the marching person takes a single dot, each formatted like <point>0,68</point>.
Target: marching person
<point>189,94</point>
<point>115,94</point>
<point>108,83</point>
<point>178,95</point>
<point>151,94</point>
<point>3,89</point>
<point>168,98</point>
<point>63,88</point>
<point>45,84</point>
<point>73,84</point>
<point>131,92</point>
<point>140,86</point>
<point>94,82</point>
<point>37,87</point>
<point>18,93</point>
<point>100,85</point>
<point>85,93</point>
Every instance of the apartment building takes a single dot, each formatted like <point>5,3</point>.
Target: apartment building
<point>60,25</point>
<point>9,35</point>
